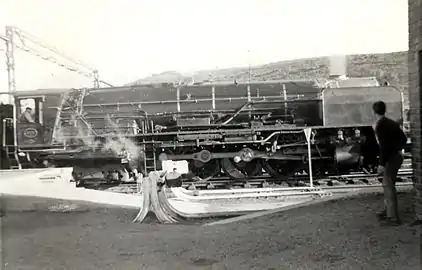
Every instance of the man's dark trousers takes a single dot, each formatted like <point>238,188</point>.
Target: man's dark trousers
<point>389,185</point>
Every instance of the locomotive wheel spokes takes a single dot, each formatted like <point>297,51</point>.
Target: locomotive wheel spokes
<point>200,171</point>
<point>242,169</point>
<point>281,170</point>
<point>204,171</point>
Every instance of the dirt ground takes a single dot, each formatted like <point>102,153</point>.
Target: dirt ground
<point>334,235</point>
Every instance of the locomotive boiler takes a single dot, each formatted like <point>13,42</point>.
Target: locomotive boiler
<point>236,130</point>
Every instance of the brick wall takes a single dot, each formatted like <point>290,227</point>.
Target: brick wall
<point>415,89</point>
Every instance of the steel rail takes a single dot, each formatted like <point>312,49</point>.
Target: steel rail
<point>294,190</point>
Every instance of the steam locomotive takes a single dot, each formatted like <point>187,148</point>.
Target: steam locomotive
<point>236,130</point>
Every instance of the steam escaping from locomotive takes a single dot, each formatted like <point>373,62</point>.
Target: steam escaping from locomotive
<point>113,141</point>
<point>118,143</point>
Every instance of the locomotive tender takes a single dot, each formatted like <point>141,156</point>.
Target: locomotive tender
<point>230,129</point>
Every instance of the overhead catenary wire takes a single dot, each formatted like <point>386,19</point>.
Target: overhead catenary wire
<point>22,40</point>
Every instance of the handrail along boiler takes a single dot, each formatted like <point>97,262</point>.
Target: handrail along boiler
<point>239,130</point>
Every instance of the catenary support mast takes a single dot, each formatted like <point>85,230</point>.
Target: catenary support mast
<point>17,38</point>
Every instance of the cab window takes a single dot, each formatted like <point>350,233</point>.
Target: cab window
<point>29,111</point>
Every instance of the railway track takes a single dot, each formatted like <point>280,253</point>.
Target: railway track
<point>276,194</point>
<point>301,180</point>
<point>335,183</point>
<point>325,187</point>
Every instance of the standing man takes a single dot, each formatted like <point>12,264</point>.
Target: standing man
<point>391,140</point>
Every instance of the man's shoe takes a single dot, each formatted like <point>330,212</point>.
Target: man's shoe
<point>382,215</point>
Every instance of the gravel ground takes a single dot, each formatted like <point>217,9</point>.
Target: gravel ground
<point>52,234</point>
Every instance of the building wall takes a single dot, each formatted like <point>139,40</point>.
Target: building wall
<point>415,89</point>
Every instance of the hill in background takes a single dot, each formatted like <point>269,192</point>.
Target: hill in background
<point>391,67</point>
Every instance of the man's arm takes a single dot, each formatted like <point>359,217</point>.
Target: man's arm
<point>28,117</point>
<point>381,135</point>
<point>402,137</point>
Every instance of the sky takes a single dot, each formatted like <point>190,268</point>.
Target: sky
<point>130,39</point>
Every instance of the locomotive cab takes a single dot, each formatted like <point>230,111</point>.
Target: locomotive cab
<point>29,121</point>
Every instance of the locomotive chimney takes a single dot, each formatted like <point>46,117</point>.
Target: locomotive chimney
<point>337,66</point>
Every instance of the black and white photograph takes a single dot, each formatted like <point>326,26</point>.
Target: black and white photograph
<point>199,134</point>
